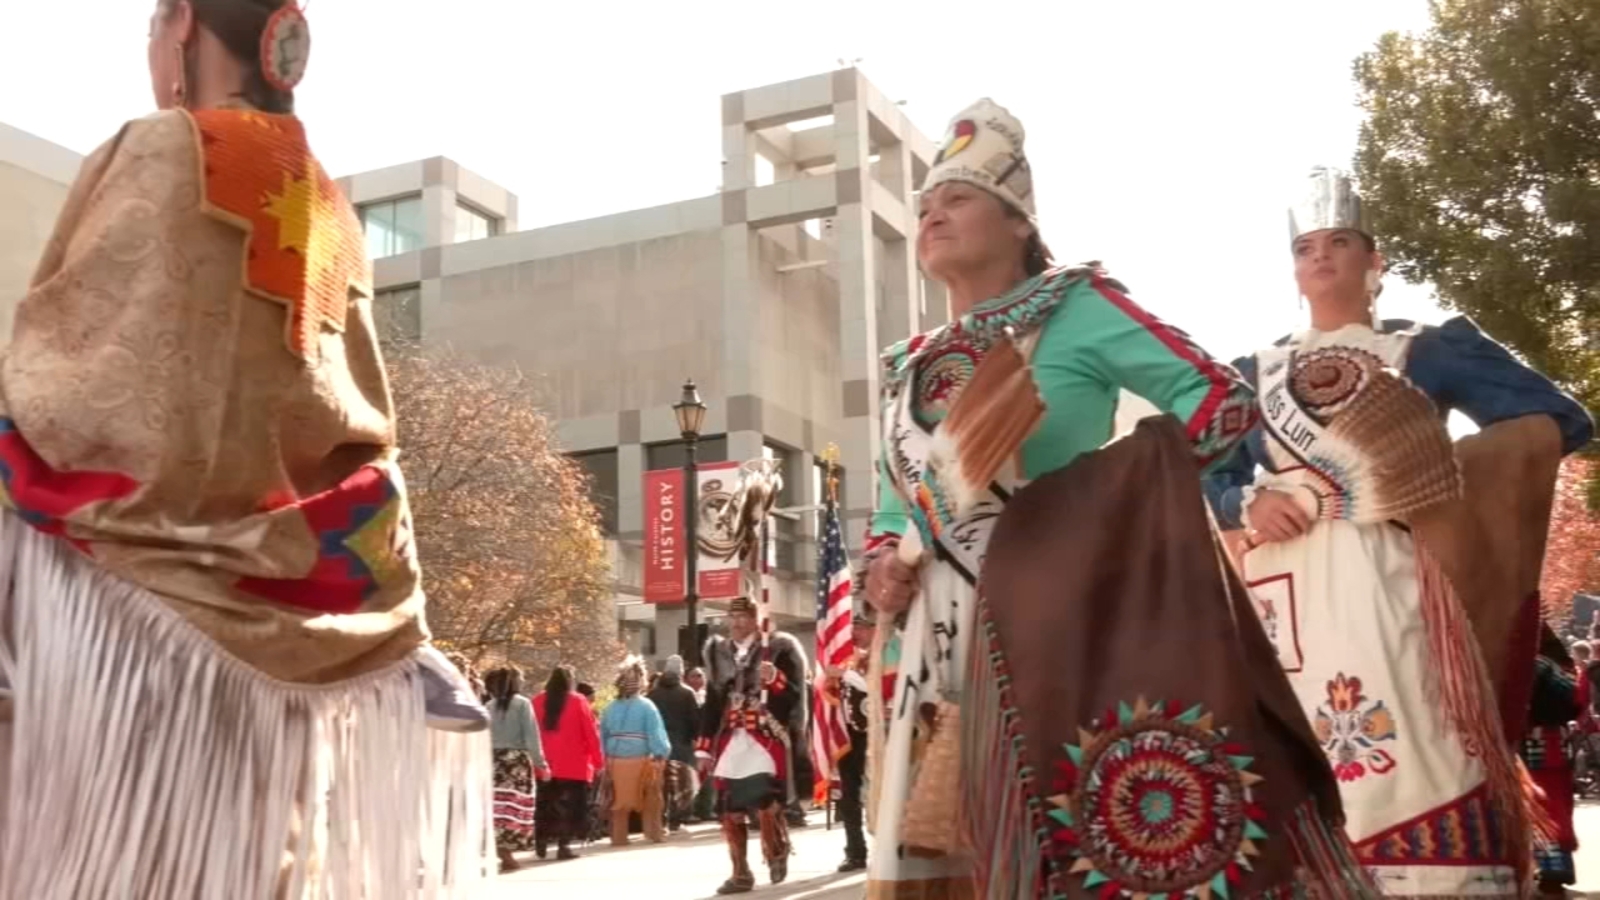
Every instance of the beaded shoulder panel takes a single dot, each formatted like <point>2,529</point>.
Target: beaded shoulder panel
<point>937,365</point>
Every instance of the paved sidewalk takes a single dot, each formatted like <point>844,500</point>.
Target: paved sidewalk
<point>692,863</point>
<point>689,866</point>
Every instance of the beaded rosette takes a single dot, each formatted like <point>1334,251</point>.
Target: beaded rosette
<point>1155,801</point>
<point>285,47</point>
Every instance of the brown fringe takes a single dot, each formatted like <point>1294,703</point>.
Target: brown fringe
<point>1458,681</point>
<point>1002,818</point>
<point>1329,866</point>
<point>996,411</point>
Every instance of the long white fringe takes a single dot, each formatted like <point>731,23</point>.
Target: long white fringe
<point>148,764</point>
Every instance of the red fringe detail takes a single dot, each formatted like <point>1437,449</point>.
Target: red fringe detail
<point>1459,681</point>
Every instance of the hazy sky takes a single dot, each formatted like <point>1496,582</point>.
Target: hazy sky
<point>1166,137</point>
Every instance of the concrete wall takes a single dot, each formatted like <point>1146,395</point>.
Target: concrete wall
<point>34,178</point>
<point>797,366</point>
<point>609,329</point>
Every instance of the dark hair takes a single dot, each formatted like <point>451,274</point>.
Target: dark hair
<point>1036,258</point>
<point>556,688</point>
<point>502,684</point>
<point>239,24</point>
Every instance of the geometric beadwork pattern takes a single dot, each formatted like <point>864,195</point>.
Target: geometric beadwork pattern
<point>1155,800</point>
<point>304,247</point>
<point>364,541</point>
<point>43,496</point>
<point>1464,832</point>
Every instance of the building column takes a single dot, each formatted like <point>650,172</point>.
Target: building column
<point>669,618</point>
<point>858,317</point>
<point>438,216</point>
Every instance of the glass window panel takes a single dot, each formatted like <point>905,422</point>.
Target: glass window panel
<point>393,226</point>
<point>379,221</point>
<point>472,225</point>
<point>670,454</point>
<point>407,225</point>
<point>601,467</point>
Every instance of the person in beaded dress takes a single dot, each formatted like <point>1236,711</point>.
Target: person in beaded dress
<point>205,539</point>
<point>1365,567</point>
<point>1084,340</point>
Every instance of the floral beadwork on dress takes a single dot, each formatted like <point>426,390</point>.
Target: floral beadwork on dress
<point>944,372</point>
<point>1155,800</point>
<point>1350,727</point>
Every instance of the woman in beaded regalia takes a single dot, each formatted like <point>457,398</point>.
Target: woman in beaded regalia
<point>1381,550</point>
<point>1021,383</point>
<point>205,541</point>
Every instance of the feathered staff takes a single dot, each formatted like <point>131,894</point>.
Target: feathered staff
<point>745,519</point>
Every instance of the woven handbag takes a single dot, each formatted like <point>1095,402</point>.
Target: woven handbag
<point>932,823</point>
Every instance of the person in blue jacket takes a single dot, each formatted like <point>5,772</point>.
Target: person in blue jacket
<point>636,746</point>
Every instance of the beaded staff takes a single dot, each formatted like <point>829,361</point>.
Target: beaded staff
<point>746,519</point>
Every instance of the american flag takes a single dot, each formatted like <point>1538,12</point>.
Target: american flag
<point>829,740</point>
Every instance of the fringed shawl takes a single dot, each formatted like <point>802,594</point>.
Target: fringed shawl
<point>1128,730</point>
<point>194,396</point>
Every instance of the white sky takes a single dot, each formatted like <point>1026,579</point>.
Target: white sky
<point>1166,136</point>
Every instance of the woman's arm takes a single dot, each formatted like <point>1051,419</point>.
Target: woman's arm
<point>1224,484</point>
<point>1462,368</point>
<point>1100,334</point>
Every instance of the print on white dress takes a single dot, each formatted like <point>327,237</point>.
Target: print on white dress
<point>1273,599</point>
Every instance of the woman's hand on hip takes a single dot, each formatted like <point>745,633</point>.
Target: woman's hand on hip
<point>1274,517</point>
<point>890,584</point>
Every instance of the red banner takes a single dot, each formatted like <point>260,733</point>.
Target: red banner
<point>664,539</point>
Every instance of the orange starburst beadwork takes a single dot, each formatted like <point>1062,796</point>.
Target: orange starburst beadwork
<point>304,245</point>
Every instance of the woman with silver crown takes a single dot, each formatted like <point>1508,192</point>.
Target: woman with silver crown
<point>1397,573</point>
<point>992,417</point>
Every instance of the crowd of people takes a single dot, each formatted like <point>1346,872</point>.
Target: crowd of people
<point>564,774</point>
<point>674,747</point>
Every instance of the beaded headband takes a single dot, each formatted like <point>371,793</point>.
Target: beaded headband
<point>286,47</point>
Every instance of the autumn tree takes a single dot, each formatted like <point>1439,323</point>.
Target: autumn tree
<point>1480,159</point>
<point>1572,557</point>
<point>513,559</point>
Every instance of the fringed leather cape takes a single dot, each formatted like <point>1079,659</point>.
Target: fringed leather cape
<point>194,396</point>
<point>1128,730</point>
<point>1491,542</point>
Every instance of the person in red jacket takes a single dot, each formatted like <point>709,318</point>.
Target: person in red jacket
<point>571,740</point>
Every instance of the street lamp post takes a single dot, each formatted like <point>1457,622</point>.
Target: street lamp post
<point>691,414</point>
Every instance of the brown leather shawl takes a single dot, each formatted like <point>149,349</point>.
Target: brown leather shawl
<point>1491,543</point>
<point>1134,692</point>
